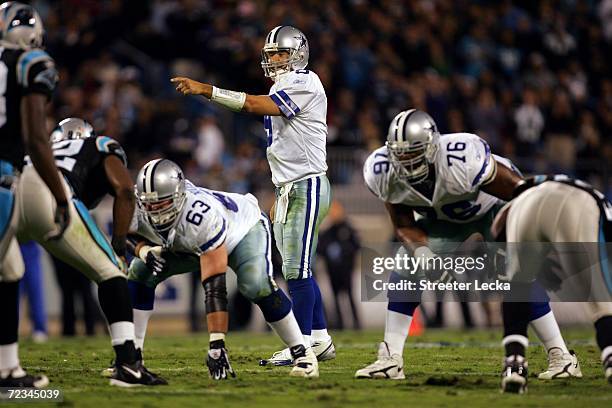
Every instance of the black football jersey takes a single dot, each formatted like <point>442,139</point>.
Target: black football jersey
<point>82,163</point>
<point>21,72</point>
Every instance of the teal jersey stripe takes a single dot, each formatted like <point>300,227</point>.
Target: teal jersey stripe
<point>7,200</point>
<point>604,258</point>
<point>102,143</point>
<point>94,231</point>
<point>28,58</point>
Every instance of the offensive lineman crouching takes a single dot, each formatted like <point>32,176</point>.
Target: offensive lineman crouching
<point>180,228</point>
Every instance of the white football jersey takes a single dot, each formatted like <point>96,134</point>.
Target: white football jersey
<point>463,163</point>
<point>297,138</point>
<point>209,219</point>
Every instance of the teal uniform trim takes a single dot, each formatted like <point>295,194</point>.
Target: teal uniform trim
<point>94,231</point>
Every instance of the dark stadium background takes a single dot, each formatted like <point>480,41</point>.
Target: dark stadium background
<point>530,77</point>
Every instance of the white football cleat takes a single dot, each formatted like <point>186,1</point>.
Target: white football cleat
<point>608,369</point>
<point>561,365</point>
<point>324,350</point>
<point>306,366</point>
<point>387,366</point>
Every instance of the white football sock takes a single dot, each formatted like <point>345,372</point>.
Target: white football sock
<point>547,330</point>
<point>396,331</point>
<point>288,330</point>
<point>121,332</point>
<point>9,357</point>
<point>307,340</point>
<point>320,335</point>
<point>141,320</point>
<point>605,353</point>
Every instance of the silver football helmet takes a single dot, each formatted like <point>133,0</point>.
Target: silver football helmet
<point>290,40</point>
<point>412,143</point>
<point>20,26</point>
<point>160,192</point>
<point>72,128</point>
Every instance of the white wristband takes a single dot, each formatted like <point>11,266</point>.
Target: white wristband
<point>230,99</point>
<point>145,249</point>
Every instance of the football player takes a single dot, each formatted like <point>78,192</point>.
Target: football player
<point>181,228</point>
<point>92,166</point>
<point>457,185</point>
<point>27,80</point>
<point>294,112</point>
<point>556,209</point>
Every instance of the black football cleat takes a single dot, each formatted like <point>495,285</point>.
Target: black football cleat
<point>18,378</point>
<point>514,375</point>
<point>134,375</point>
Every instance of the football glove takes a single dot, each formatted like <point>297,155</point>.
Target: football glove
<point>153,258</point>
<point>218,364</point>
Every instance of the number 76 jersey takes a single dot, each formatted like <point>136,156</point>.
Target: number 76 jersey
<point>462,165</point>
<point>209,219</point>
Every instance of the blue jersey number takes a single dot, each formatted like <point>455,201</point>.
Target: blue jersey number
<point>458,147</point>
<point>195,217</point>
<point>268,129</point>
<point>226,201</point>
<point>461,210</point>
<point>381,166</point>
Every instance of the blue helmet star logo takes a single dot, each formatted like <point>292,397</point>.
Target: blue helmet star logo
<point>301,39</point>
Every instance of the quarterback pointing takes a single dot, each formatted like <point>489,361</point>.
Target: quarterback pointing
<point>456,185</point>
<point>295,112</point>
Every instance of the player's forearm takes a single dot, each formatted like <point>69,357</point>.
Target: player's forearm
<point>123,210</point>
<point>411,237</point>
<point>38,146</point>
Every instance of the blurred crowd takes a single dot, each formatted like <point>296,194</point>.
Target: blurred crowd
<point>530,77</point>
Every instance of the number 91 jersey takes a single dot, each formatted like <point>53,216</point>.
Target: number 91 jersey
<point>209,219</point>
<point>462,165</point>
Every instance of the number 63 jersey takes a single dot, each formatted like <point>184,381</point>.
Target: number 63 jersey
<point>209,219</point>
<point>462,165</point>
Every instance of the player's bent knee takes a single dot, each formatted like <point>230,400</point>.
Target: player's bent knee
<point>274,306</point>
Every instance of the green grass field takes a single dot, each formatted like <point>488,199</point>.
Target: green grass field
<point>443,368</point>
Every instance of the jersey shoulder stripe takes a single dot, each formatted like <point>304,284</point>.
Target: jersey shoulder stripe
<point>108,145</point>
<point>287,107</point>
<point>485,165</point>
<point>26,61</point>
<point>214,240</point>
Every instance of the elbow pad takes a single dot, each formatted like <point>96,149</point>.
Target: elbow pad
<point>215,293</point>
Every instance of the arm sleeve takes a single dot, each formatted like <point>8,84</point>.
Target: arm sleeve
<point>293,98</point>
<point>210,234</point>
<point>36,73</point>
<point>108,146</point>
